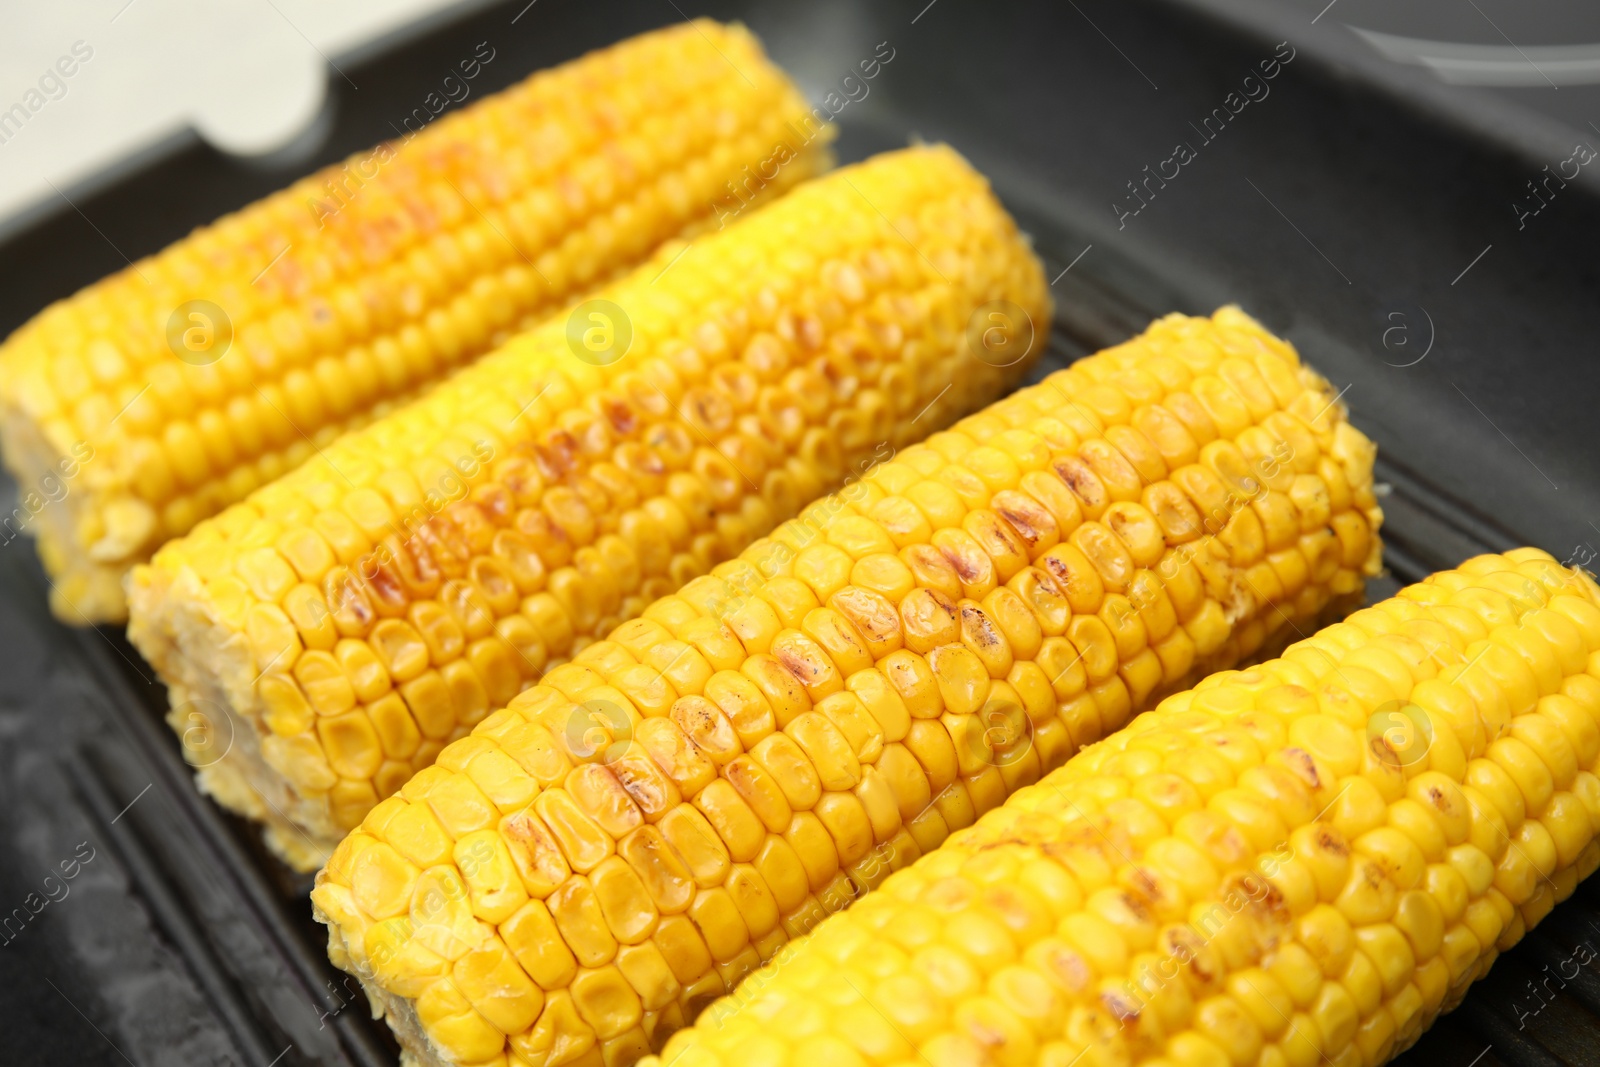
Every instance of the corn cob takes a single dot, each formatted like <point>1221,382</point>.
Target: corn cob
<point>176,387</point>
<point>346,622</point>
<point>660,815</point>
<point>1300,863</point>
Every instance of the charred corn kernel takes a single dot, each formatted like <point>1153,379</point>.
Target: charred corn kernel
<point>860,731</point>
<point>1323,944</point>
<point>305,314</point>
<point>538,500</point>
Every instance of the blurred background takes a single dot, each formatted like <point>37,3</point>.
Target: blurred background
<point>253,78</point>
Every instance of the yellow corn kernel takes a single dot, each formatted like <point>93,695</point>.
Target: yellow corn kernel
<point>494,984</point>
<point>455,1026</point>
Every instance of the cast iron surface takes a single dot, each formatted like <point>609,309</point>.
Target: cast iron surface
<point>1330,209</point>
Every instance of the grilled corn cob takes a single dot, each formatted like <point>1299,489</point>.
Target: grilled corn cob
<point>176,387</point>
<point>1300,863</point>
<point>628,838</point>
<point>324,640</point>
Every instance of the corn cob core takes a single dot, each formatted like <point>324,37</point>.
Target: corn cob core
<point>361,284</point>
<point>654,819</point>
<point>324,640</point>
<point>1300,863</point>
